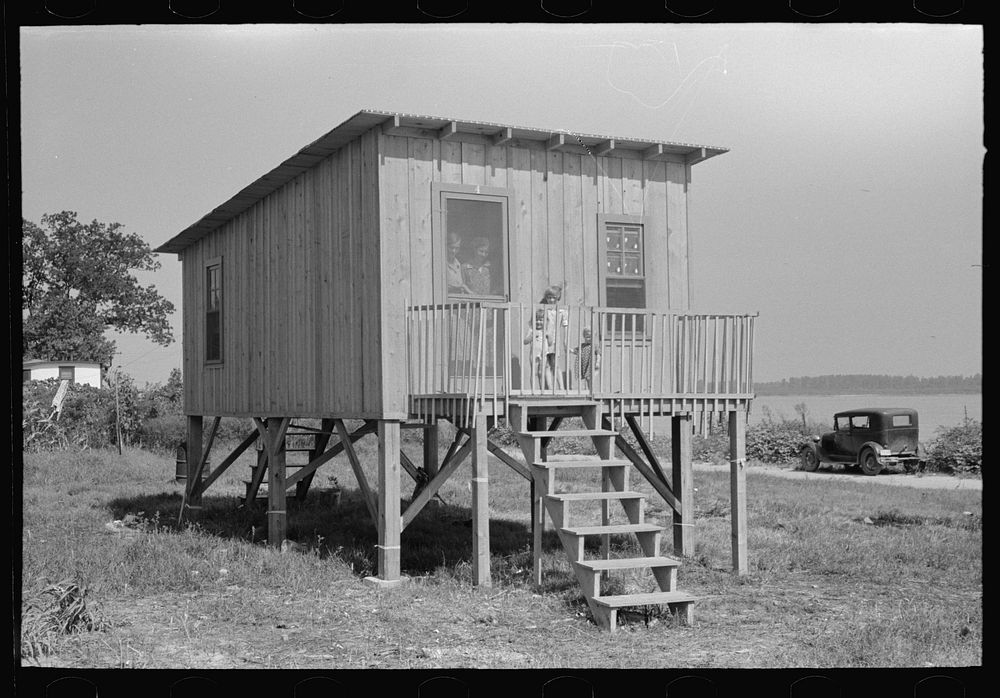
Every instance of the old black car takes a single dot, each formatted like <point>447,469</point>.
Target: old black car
<point>869,438</point>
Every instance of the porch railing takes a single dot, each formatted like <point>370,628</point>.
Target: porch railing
<point>494,351</point>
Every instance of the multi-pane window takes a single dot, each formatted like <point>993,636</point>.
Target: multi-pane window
<point>213,311</point>
<point>625,278</point>
<point>624,270</point>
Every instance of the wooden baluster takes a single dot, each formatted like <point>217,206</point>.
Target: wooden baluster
<point>620,326</point>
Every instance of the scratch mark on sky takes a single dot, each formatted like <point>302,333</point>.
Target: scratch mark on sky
<point>644,71</point>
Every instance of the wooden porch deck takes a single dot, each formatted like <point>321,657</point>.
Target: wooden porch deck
<point>467,359</point>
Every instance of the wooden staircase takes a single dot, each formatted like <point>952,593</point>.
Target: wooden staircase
<point>258,472</point>
<point>527,420</point>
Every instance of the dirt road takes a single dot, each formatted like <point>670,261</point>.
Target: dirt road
<point>923,481</point>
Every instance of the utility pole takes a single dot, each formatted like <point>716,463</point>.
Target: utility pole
<point>118,411</point>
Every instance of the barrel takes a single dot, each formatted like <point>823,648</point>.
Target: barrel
<point>181,473</point>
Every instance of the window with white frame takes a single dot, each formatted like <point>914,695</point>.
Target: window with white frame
<point>623,266</point>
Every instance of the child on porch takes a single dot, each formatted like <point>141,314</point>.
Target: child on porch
<point>553,319</point>
<point>588,358</point>
<point>539,342</point>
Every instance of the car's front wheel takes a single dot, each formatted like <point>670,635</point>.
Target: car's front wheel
<point>869,462</point>
<point>809,460</point>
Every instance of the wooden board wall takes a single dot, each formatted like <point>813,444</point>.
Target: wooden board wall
<point>555,199</point>
<point>301,298</point>
<point>313,320</point>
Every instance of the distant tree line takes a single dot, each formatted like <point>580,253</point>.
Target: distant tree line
<point>852,384</point>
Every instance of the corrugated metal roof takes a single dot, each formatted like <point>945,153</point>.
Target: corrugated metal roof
<point>428,125</point>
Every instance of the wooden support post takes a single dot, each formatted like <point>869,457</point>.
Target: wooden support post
<point>431,450</point>
<point>532,449</point>
<point>738,489</point>
<point>389,519</point>
<point>683,484</point>
<point>277,515</point>
<point>480,504</point>
<point>228,461</point>
<point>192,498</point>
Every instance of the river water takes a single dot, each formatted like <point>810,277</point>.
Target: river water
<point>934,411</point>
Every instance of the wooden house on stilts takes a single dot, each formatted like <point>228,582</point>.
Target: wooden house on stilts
<point>392,272</point>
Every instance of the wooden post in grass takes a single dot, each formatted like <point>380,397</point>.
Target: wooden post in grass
<point>277,515</point>
<point>683,483</point>
<point>738,489</point>
<point>480,504</point>
<point>389,519</point>
<point>192,500</point>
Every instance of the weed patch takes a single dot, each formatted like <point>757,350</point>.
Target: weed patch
<point>52,611</point>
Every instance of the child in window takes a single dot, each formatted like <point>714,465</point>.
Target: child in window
<point>476,272</point>
<point>456,280</point>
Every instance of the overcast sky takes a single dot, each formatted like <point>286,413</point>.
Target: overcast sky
<point>848,212</point>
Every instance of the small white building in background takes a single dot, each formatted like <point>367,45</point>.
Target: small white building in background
<point>78,372</point>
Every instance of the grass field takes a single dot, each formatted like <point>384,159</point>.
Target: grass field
<point>851,574</point>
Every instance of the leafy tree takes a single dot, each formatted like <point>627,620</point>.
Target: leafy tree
<point>78,281</point>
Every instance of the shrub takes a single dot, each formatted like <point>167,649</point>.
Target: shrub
<point>957,449</point>
<point>163,433</point>
<point>775,442</point>
<point>86,420</point>
<point>163,400</point>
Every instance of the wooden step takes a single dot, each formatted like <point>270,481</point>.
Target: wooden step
<point>654,598</point>
<point>627,563</point>
<point>582,463</point>
<point>613,529</point>
<point>547,434</point>
<point>593,496</point>
<point>263,485</point>
<point>568,399</point>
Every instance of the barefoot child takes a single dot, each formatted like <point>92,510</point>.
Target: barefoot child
<point>539,342</point>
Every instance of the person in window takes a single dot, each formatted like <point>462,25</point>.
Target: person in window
<point>456,283</point>
<point>555,318</point>
<point>476,273</point>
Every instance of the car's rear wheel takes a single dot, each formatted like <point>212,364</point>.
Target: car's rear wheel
<point>869,462</point>
<point>809,460</point>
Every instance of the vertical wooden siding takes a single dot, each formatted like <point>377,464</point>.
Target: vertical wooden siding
<point>301,298</point>
<point>555,201</point>
<point>313,306</point>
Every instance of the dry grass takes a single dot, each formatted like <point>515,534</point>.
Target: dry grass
<point>842,575</point>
